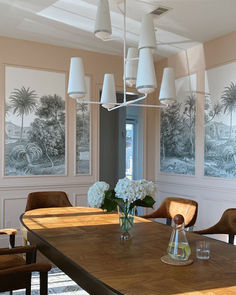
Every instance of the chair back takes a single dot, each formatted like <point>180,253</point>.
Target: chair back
<point>47,199</point>
<point>172,206</point>
<point>226,225</point>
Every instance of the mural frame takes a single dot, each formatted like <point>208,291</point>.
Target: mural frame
<point>62,76</point>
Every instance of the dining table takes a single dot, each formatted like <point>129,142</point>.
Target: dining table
<point>85,244</point>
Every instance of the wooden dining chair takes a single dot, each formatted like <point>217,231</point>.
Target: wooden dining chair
<point>11,232</point>
<point>15,271</point>
<point>46,199</point>
<point>172,206</point>
<point>226,225</point>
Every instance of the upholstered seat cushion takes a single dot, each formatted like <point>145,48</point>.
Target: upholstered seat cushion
<point>8,261</point>
<point>8,231</point>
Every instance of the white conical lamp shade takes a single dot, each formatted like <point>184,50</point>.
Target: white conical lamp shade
<point>131,66</point>
<point>102,28</point>
<point>146,77</point>
<point>76,85</point>
<point>108,91</point>
<point>168,91</point>
<point>147,37</point>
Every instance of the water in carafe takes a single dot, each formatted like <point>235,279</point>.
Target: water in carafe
<point>178,248</point>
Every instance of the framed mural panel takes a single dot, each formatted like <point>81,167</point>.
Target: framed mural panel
<point>34,122</point>
<point>220,122</point>
<point>83,153</point>
<point>177,146</point>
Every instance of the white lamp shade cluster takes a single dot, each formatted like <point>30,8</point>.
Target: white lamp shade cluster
<point>146,78</point>
<point>147,37</point>
<point>76,85</point>
<point>139,64</point>
<point>131,66</point>
<point>102,29</point>
<point>168,91</point>
<point>108,92</point>
<point>143,72</point>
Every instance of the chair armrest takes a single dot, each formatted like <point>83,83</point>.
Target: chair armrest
<point>17,250</point>
<point>8,231</point>
<point>41,267</point>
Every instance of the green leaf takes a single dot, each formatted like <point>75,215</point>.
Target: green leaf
<point>111,201</point>
<point>109,205</point>
<point>146,202</point>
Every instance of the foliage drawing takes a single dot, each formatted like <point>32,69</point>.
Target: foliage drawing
<point>38,147</point>
<point>178,137</point>
<point>83,139</point>
<point>220,133</point>
<point>177,141</point>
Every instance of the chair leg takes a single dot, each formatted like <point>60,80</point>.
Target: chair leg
<point>28,286</point>
<point>231,239</point>
<point>43,283</point>
<point>12,241</point>
<point>168,221</point>
<point>11,292</point>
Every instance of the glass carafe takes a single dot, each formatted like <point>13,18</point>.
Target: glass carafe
<point>178,248</point>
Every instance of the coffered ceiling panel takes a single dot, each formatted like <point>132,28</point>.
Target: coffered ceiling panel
<point>71,22</point>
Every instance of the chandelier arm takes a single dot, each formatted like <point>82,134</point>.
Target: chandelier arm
<point>128,103</point>
<point>137,99</point>
<point>101,103</point>
<point>160,106</point>
<point>121,104</point>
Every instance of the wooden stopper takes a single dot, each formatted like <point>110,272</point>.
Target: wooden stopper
<point>178,219</point>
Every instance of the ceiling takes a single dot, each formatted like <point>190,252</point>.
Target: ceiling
<point>70,23</point>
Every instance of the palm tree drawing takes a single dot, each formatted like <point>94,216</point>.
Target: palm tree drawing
<point>229,102</point>
<point>23,102</point>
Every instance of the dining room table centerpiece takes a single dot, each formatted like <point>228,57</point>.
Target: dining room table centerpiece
<point>125,197</point>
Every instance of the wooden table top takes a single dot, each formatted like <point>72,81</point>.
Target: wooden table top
<point>85,243</point>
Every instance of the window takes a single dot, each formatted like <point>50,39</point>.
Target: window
<point>130,150</point>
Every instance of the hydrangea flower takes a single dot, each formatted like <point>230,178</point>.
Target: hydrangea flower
<point>96,194</point>
<point>148,186</point>
<point>132,190</point>
<point>129,191</point>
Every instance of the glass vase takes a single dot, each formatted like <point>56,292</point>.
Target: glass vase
<point>126,219</point>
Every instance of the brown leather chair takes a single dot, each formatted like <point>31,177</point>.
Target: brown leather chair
<point>48,199</point>
<point>226,225</point>
<point>11,232</point>
<point>172,206</point>
<point>15,272</point>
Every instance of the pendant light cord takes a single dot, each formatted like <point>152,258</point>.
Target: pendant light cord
<point>124,52</point>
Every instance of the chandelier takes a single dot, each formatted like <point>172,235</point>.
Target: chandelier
<point>138,66</point>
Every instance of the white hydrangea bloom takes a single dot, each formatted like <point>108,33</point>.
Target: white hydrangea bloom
<point>96,194</point>
<point>149,187</point>
<point>132,190</point>
<point>125,189</point>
